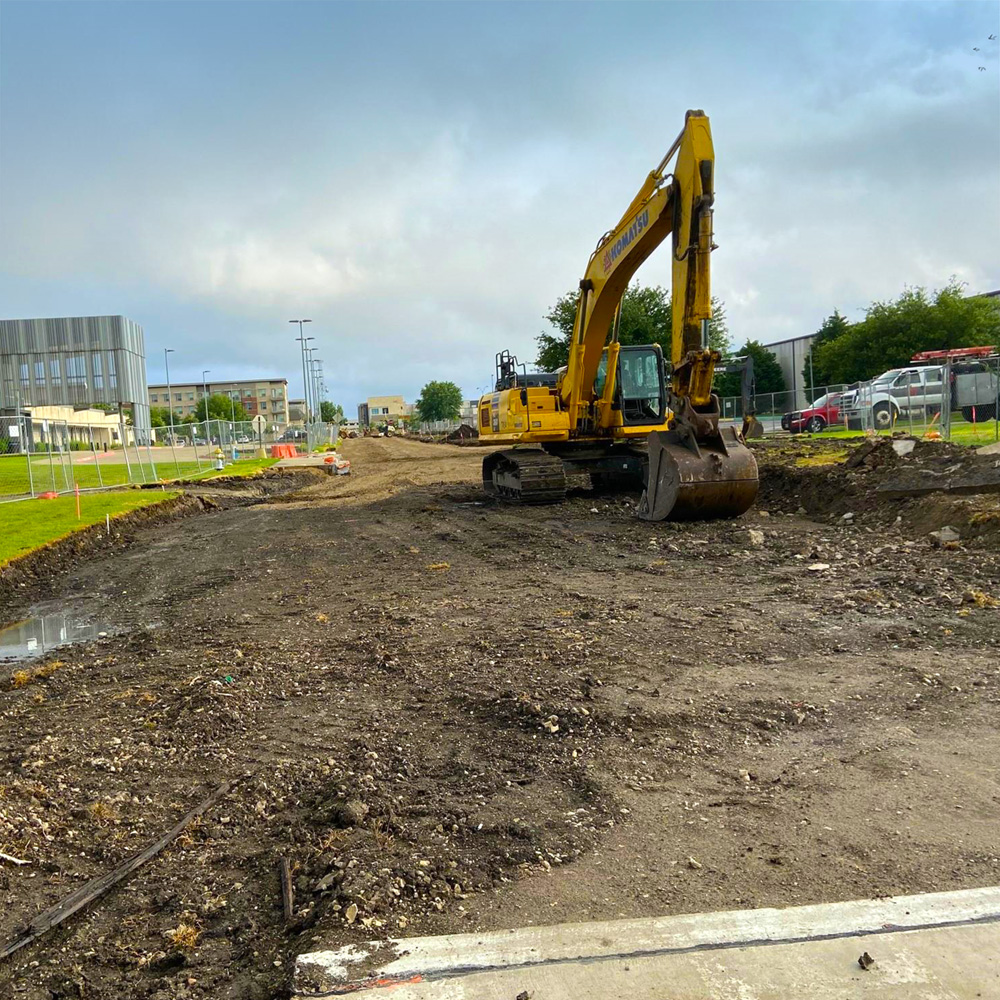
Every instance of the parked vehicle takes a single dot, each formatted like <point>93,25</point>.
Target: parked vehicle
<point>820,414</point>
<point>918,391</point>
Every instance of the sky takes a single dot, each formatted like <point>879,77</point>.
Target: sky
<point>423,181</point>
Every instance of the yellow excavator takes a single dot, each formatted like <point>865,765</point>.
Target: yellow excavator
<point>616,411</point>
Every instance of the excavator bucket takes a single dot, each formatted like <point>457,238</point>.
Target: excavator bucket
<point>698,480</point>
<point>752,428</point>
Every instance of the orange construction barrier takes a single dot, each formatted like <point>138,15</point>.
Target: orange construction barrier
<point>284,451</point>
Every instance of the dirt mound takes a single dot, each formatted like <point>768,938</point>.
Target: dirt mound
<point>463,433</point>
<point>923,484</point>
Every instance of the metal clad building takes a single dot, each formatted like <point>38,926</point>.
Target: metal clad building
<point>793,356</point>
<point>74,361</point>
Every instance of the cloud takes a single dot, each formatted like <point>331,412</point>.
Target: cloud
<point>425,204</point>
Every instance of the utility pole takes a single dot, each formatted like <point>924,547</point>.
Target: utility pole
<point>302,339</point>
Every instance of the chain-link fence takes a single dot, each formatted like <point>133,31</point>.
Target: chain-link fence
<point>56,456</point>
<point>955,398</point>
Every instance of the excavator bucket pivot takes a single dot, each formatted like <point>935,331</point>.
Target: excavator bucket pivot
<point>698,480</point>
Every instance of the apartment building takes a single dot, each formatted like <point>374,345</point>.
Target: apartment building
<point>384,409</point>
<point>266,396</point>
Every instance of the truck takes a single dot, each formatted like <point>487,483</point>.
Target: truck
<point>919,391</point>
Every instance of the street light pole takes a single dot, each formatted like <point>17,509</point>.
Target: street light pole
<point>310,402</point>
<point>302,339</point>
<point>317,395</point>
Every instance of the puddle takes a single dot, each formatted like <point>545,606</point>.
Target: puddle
<point>36,636</point>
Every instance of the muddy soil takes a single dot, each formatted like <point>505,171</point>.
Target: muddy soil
<point>451,715</point>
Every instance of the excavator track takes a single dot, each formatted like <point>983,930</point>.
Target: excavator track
<point>524,475</point>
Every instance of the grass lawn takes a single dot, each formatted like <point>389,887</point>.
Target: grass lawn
<point>242,467</point>
<point>961,432</point>
<point>29,524</point>
<point>53,476</point>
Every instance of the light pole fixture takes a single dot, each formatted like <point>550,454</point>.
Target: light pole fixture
<point>170,411</point>
<point>302,339</point>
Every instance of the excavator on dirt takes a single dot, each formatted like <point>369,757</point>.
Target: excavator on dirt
<point>623,413</point>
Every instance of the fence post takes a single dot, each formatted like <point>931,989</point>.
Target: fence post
<point>47,428</point>
<point>27,443</point>
<point>97,461</point>
<point>946,401</point>
<point>121,431</point>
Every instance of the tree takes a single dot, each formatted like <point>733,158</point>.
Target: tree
<point>159,416</point>
<point>646,318</point>
<point>892,332</point>
<point>331,413</point>
<point>767,373</point>
<point>814,371</point>
<point>439,401</point>
<point>220,407</point>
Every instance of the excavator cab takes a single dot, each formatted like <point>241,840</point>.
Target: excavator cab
<point>640,385</point>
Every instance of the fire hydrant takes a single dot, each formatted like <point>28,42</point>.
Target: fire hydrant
<point>220,460</point>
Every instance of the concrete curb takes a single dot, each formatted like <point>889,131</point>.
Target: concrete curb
<point>441,964</point>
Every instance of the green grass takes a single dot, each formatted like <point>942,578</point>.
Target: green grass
<point>56,476</point>
<point>30,524</point>
<point>243,467</point>
<point>961,432</point>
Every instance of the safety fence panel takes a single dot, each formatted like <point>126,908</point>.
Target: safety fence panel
<point>956,400</point>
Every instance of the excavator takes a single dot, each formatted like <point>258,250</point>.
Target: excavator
<point>622,413</point>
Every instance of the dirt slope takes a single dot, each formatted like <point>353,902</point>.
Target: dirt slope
<point>450,714</point>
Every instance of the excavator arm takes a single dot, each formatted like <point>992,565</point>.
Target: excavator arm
<point>679,203</point>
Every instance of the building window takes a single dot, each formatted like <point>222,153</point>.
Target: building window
<point>263,405</point>
<point>190,395</point>
<point>76,370</point>
<point>39,372</point>
<point>153,397</point>
<point>112,372</point>
<point>25,381</point>
<point>98,371</point>
<point>177,397</point>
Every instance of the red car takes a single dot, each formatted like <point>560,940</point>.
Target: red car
<point>816,417</point>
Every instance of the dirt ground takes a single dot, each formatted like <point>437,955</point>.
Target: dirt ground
<point>452,715</point>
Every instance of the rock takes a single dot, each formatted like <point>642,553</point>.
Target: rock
<point>818,567</point>
<point>866,961</point>
<point>849,516</point>
<point>801,510</point>
<point>328,881</point>
<point>989,449</point>
<point>349,813</point>
<point>351,913</point>
<point>945,535</point>
<point>756,538</point>
<point>903,446</point>
<point>694,863</point>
